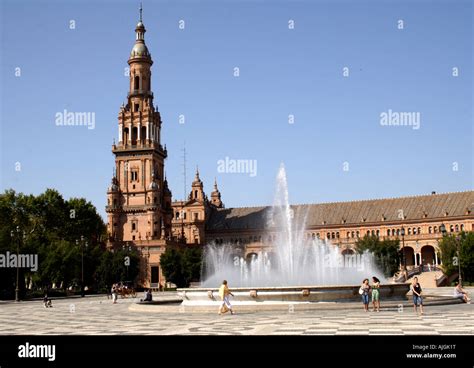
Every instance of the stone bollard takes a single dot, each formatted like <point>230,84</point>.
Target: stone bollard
<point>253,293</point>
<point>306,292</point>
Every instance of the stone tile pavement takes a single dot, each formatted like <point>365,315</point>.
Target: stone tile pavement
<point>98,316</point>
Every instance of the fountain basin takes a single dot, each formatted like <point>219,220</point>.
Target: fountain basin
<point>281,297</point>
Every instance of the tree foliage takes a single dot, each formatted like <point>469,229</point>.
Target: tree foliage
<point>181,265</point>
<point>449,246</point>
<point>386,252</point>
<point>52,227</point>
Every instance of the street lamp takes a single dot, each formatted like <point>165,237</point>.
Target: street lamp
<point>402,232</point>
<point>82,262</point>
<point>17,286</point>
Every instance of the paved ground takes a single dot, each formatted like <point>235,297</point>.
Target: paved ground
<point>98,316</point>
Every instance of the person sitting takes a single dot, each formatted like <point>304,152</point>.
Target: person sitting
<point>460,293</point>
<point>47,302</point>
<point>148,296</point>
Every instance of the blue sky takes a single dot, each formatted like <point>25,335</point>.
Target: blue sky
<point>282,71</point>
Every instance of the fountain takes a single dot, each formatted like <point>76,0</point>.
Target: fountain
<point>287,270</point>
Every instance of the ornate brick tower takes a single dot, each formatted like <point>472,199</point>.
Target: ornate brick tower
<point>139,200</point>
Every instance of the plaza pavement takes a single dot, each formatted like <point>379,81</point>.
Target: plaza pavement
<point>96,315</point>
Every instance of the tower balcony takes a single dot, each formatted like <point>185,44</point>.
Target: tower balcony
<point>143,145</point>
<point>140,92</point>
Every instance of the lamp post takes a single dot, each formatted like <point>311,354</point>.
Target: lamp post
<point>402,232</point>
<point>82,262</point>
<point>17,286</point>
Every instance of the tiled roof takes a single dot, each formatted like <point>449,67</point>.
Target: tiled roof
<point>423,207</point>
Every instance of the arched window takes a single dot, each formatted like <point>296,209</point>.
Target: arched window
<point>398,232</point>
<point>136,84</point>
<point>451,228</point>
<point>378,233</point>
<point>419,230</point>
<point>414,231</point>
<point>357,233</point>
<point>373,232</point>
<point>430,229</point>
<point>337,234</point>
<point>195,194</point>
<point>393,232</point>
<point>368,232</point>
<point>313,236</point>
<point>352,234</point>
<point>462,227</point>
<point>348,234</point>
<point>409,231</point>
<point>435,229</point>
<point>333,235</point>
<point>457,228</point>
<point>388,232</point>
<point>328,236</point>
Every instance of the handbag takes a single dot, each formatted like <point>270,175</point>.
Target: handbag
<point>361,291</point>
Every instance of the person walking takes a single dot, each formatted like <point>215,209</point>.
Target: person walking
<point>224,293</point>
<point>364,291</point>
<point>114,294</point>
<point>375,294</point>
<point>417,298</point>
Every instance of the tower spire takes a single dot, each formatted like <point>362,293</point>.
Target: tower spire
<point>141,10</point>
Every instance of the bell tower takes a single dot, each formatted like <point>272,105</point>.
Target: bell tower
<point>139,200</point>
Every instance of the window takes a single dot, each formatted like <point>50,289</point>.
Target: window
<point>177,215</point>
<point>462,227</point>
<point>398,232</point>
<point>357,233</point>
<point>419,230</point>
<point>352,234</point>
<point>348,234</point>
<point>373,232</point>
<point>196,216</point>
<point>451,228</point>
<point>134,175</point>
<point>133,237</point>
<point>409,231</point>
<point>134,226</point>
<point>457,228</point>
<point>430,230</point>
<point>414,231</point>
<point>333,235</point>
<point>195,194</point>
<point>328,236</point>
<point>388,232</point>
<point>136,107</point>
<point>393,232</point>
<point>435,229</point>
<point>337,235</point>
<point>313,236</point>
<point>136,84</point>
<point>115,201</point>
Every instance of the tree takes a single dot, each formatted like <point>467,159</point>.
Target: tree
<point>449,254</point>
<point>386,252</point>
<point>181,265</point>
<point>49,227</point>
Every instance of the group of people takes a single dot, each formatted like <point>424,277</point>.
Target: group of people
<point>365,289</point>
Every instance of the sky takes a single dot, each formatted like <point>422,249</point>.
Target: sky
<point>315,79</point>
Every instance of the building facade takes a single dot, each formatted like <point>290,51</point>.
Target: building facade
<point>141,213</point>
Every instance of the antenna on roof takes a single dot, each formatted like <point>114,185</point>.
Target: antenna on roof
<point>184,170</point>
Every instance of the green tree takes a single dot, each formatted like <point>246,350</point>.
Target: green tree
<point>171,262</point>
<point>449,246</point>
<point>386,252</point>
<point>181,265</point>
